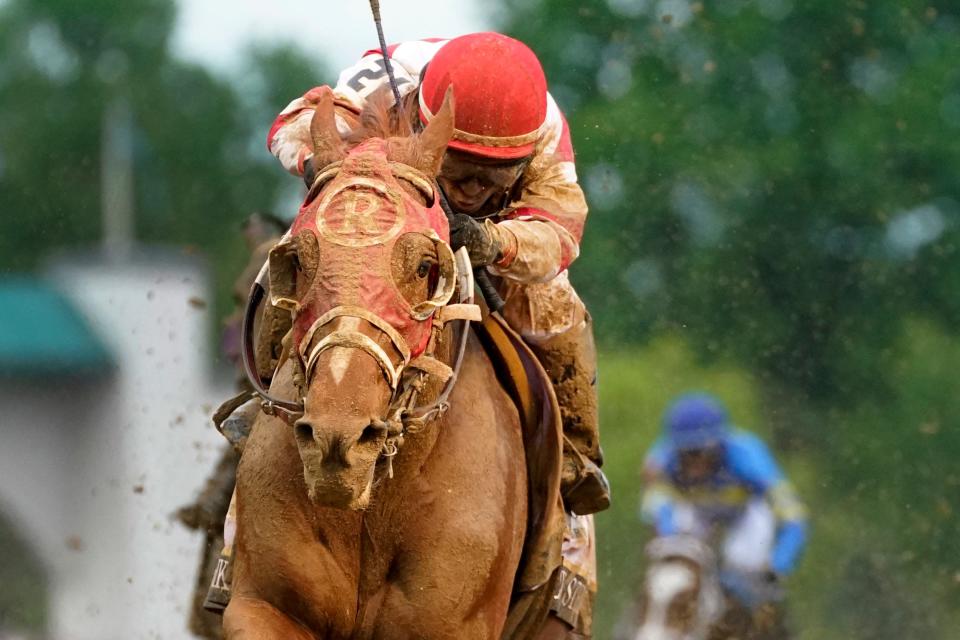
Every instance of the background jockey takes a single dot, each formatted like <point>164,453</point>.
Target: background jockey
<point>703,478</point>
<point>509,176</point>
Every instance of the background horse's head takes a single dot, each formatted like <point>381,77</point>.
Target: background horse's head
<point>681,593</point>
<point>363,269</point>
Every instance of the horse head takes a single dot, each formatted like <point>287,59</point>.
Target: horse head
<point>363,269</point>
<point>681,593</point>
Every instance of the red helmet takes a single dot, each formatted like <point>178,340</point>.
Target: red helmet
<point>500,93</point>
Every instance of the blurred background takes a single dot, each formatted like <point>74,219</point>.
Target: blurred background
<point>775,217</point>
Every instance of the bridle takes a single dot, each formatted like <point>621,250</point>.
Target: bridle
<point>408,377</point>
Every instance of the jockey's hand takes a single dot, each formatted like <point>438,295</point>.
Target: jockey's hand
<point>309,172</point>
<point>482,239</point>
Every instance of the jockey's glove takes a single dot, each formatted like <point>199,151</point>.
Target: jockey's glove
<point>483,240</point>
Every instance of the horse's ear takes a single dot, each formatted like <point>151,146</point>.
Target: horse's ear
<point>327,145</point>
<point>436,136</point>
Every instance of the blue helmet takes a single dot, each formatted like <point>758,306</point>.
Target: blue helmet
<point>696,421</point>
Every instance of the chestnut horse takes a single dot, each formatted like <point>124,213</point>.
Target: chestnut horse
<point>357,516</point>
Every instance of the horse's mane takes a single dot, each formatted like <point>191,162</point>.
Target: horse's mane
<point>379,119</point>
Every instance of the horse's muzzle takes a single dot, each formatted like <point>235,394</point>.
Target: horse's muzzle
<point>338,463</point>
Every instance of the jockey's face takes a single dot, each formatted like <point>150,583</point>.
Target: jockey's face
<point>478,186</point>
<point>698,465</point>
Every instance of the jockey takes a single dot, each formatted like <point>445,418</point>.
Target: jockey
<point>703,476</point>
<point>509,176</point>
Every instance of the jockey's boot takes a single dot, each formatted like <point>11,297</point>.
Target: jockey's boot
<point>234,419</point>
<point>570,360</point>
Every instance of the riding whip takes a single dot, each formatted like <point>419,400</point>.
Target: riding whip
<point>375,8</point>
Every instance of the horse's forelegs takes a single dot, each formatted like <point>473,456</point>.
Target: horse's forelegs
<point>251,619</point>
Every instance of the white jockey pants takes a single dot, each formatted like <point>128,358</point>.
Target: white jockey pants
<point>747,541</point>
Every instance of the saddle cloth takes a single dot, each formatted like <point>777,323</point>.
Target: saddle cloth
<point>557,571</point>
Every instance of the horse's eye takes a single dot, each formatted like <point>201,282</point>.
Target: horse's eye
<point>423,270</point>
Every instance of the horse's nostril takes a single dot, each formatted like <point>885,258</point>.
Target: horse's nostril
<point>303,431</point>
<point>371,434</point>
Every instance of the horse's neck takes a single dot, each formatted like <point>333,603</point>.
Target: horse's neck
<point>424,462</point>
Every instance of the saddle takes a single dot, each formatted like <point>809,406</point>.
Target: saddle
<point>526,382</point>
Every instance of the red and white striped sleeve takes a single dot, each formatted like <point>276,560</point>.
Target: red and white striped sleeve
<point>289,137</point>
